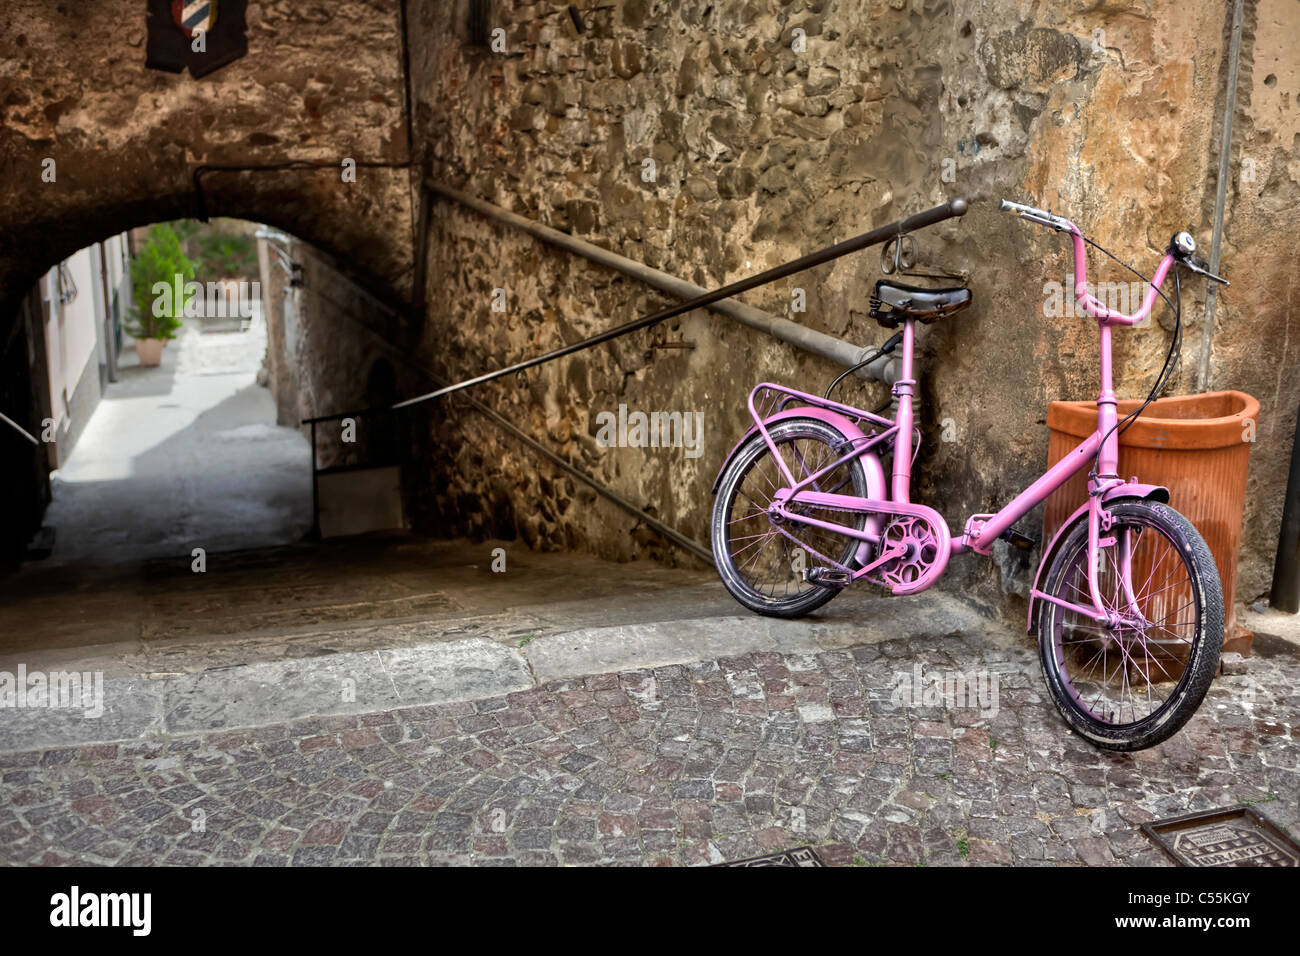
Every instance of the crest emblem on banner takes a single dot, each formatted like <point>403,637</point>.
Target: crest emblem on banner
<point>194,16</point>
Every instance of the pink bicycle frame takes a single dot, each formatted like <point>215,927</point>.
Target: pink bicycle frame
<point>981,530</point>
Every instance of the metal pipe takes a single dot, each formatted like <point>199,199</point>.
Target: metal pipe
<point>315,488</point>
<point>1220,198</point>
<point>110,353</point>
<point>929,217</point>
<point>1285,595</point>
<point>810,340</point>
<point>19,428</point>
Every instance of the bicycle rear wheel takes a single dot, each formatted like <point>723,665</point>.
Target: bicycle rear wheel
<point>1130,687</point>
<point>760,566</point>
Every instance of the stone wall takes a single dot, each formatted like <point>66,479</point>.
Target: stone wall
<point>330,350</point>
<point>1108,112</point>
<point>1257,321</point>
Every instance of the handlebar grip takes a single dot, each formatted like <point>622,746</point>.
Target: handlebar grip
<point>1034,214</point>
<point>1020,209</point>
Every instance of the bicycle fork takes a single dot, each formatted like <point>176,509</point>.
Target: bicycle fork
<point>1100,537</point>
<point>1103,538</point>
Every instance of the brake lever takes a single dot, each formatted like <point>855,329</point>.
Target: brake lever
<point>1203,268</point>
<point>1049,223</point>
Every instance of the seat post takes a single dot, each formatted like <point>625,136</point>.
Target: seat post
<point>903,391</point>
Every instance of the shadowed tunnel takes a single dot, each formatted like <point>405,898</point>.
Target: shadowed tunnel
<point>316,146</point>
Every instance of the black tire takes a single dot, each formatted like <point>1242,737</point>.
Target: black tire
<point>807,443</point>
<point>1193,647</point>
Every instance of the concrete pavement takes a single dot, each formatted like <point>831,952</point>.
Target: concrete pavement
<point>181,456</point>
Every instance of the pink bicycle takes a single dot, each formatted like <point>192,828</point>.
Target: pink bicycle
<point>1127,596</point>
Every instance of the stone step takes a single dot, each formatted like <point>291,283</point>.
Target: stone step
<point>329,682</point>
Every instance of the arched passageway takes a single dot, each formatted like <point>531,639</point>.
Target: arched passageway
<point>313,141</point>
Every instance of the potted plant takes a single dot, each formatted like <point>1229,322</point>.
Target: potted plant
<point>160,273</point>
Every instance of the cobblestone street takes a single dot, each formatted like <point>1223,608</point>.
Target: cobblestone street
<point>686,764</point>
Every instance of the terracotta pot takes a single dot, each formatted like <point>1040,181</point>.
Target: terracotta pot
<point>1197,446</point>
<point>150,351</point>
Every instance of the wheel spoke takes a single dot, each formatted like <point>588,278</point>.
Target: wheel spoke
<point>1123,675</point>
<point>768,574</point>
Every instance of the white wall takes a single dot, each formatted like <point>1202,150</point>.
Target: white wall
<point>70,329</point>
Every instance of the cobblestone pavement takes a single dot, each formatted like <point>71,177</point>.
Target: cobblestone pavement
<point>686,764</point>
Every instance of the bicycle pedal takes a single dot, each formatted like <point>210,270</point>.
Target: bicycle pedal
<point>1018,540</point>
<point>827,577</point>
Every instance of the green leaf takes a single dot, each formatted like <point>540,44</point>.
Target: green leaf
<point>160,260</point>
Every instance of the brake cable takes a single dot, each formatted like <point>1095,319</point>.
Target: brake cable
<point>1171,357</point>
<point>885,349</point>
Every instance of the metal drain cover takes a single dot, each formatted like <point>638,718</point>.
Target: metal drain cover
<point>1236,836</point>
<point>800,856</point>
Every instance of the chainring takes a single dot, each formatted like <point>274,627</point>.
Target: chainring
<point>919,564</point>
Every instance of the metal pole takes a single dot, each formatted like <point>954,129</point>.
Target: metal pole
<point>810,340</point>
<point>19,428</point>
<point>110,343</point>
<point>919,221</point>
<point>1285,595</point>
<point>1220,199</point>
<point>315,490</point>
<point>401,356</point>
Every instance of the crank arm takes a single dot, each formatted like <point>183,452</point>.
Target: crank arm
<point>889,554</point>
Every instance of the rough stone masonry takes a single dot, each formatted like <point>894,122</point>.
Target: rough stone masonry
<point>1109,113</point>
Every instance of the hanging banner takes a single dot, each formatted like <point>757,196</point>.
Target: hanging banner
<point>203,35</point>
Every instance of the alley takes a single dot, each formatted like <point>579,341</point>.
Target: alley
<point>391,699</point>
<point>532,378</point>
<point>181,456</point>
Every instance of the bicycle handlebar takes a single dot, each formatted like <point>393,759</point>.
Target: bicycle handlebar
<point>1180,250</point>
<point>1040,216</point>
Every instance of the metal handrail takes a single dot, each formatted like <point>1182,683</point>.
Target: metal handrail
<point>665,530</point>
<point>717,299</point>
<point>5,419</point>
<point>810,340</point>
<point>876,236</point>
<point>929,217</point>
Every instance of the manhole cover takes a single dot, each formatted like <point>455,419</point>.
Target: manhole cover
<point>802,856</point>
<point>1236,836</point>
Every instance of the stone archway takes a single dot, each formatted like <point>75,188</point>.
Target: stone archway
<point>93,143</point>
<point>308,133</point>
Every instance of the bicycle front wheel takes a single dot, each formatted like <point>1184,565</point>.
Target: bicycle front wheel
<point>1130,686</point>
<point>758,564</point>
